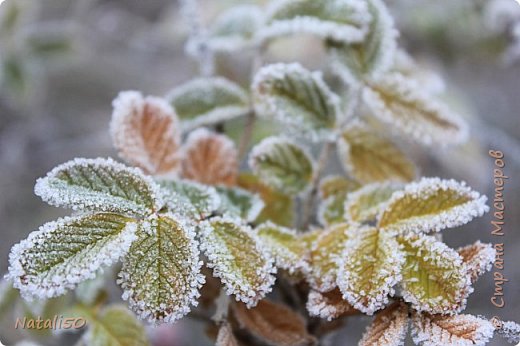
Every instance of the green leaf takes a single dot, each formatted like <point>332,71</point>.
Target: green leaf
<point>63,253</point>
<point>207,101</point>
<point>366,203</point>
<point>161,273</point>
<point>238,258</point>
<point>114,326</point>
<point>279,208</point>
<point>434,276</point>
<point>369,268</point>
<point>402,104</point>
<point>368,157</point>
<point>338,20</point>
<point>284,245</point>
<point>375,54</point>
<point>238,202</point>
<point>282,164</point>
<point>183,193</point>
<point>101,185</point>
<point>432,204</point>
<point>325,251</point>
<point>332,210</point>
<point>298,98</point>
<point>236,28</point>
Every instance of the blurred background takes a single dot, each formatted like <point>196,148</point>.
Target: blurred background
<point>62,62</point>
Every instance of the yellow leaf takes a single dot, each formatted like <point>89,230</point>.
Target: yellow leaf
<point>366,203</point>
<point>369,157</point>
<point>335,184</point>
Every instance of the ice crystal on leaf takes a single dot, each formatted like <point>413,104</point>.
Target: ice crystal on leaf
<point>402,104</point>
<point>284,245</point>
<point>458,330</point>
<point>146,132</point>
<point>338,20</point>
<point>368,269</point>
<point>63,253</point>
<point>101,185</point>
<point>239,203</point>
<point>282,164</point>
<point>298,98</point>
<point>329,305</point>
<point>333,192</point>
<point>210,158</point>
<point>206,101</point>
<point>510,331</point>
<point>432,204</point>
<point>160,275</point>
<point>366,203</point>
<point>369,157</point>
<point>238,258</point>
<point>479,258</point>
<point>389,327</point>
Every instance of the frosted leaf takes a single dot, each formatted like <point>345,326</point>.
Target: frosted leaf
<point>278,208</point>
<point>146,132</point>
<point>456,330</point>
<point>373,56</point>
<point>369,157</point>
<point>479,258</point>
<point>366,203</point>
<point>114,326</point>
<point>238,202</point>
<point>238,258</point>
<point>434,279</point>
<point>429,81</point>
<point>389,327</point>
<point>274,323</point>
<point>336,184</point>
<point>63,253</point>
<point>101,185</point>
<point>298,98</point>
<point>225,336</point>
<point>325,251</point>
<point>338,20</point>
<point>369,267</point>
<point>210,158</point>
<point>161,275</point>
<point>236,28</point>
<point>402,104</point>
<point>510,331</point>
<point>206,101</point>
<point>329,305</point>
<point>432,204</point>
<point>284,245</point>
<point>179,193</point>
<point>282,164</point>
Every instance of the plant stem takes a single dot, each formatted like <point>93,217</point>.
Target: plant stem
<point>309,201</point>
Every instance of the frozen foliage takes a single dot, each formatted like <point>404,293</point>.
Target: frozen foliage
<point>437,204</point>
<point>146,132</point>
<point>510,331</point>
<point>389,327</point>
<point>364,204</point>
<point>328,305</point>
<point>238,258</point>
<point>338,20</point>
<point>63,253</point>
<point>239,202</point>
<point>479,258</point>
<point>99,184</point>
<point>206,101</point>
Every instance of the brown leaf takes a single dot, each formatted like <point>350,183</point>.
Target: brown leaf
<point>388,328</point>
<point>274,323</point>
<point>329,305</point>
<point>478,257</point>
<point>225,336</point>
<point>145,131</point>
<point>446,330</point>
<point>210,158</point>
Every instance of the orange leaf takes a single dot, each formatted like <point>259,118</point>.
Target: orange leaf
<point>388,328</point>
<point>225,336</point>
<point>210,158</point>
<point>145,131</point>
<point>274,323</point>
<point>329,305</point>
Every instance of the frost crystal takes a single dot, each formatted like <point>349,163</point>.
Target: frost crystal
<point>389,328</point>
<point>161,275</point>
<point>329,305</point>
<point>146,132</point>
<point>510,331</point>
<point>238,258</point>
<point>63,253</point>
<point>101,185</point>
<point>479,258</point>
<point>238,202</point>
<point>210,158</point>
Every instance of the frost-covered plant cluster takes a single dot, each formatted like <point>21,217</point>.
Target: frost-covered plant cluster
<point>196,230</point>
